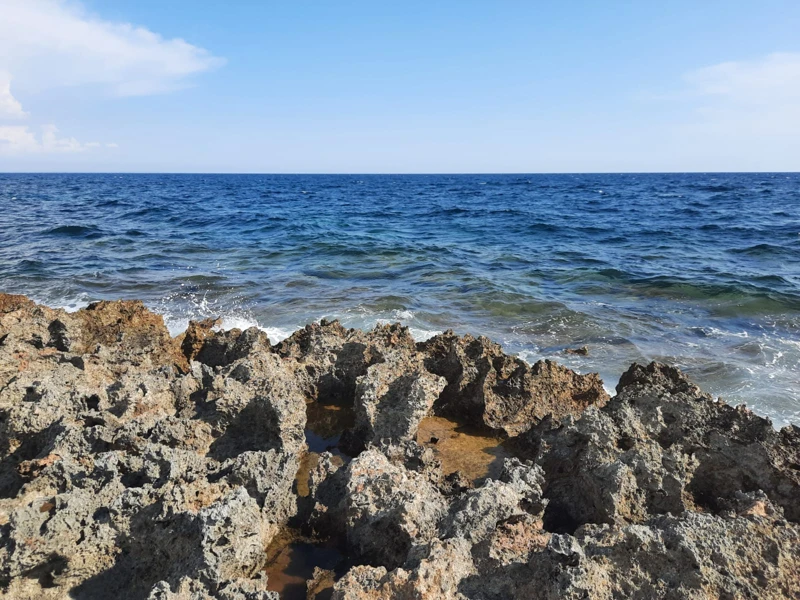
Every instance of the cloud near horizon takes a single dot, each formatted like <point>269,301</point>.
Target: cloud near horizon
<point>46,44</point>
<point>759,97</point>
<point>20,139</point>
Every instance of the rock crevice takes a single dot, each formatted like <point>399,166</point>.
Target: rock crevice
<point>140,466</point>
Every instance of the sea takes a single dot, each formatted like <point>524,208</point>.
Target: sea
<point>701,271</point>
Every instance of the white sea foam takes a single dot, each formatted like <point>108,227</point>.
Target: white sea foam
<point>422,335</point>
<point>69,304</point>
<point>177,326</point>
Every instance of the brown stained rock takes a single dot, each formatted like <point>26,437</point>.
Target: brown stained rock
<point>195,336</point>
<point>580,351</point>
<point>321,582</point>
<point>14,302</point>
<point>31,468</point>
<point>135,466</point>
<point>124,325</point>
<point>488,387</point>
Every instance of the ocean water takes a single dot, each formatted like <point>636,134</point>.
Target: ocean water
<point>698,270</point>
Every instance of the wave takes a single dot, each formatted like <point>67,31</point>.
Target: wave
<point>75,231</point>
<point>714,188</point>
<point>763,249</point>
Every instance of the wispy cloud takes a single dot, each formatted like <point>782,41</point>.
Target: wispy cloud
<point>21,139</point>
<point>759,96</point>
<point>773,77</point>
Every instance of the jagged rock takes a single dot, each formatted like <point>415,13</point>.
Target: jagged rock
<point>331,358</point>
<point>475,514</point>
<point>327,485</point>
<point>414,457</point>
<point>391,399</point>
<point>487,387</point>
<point>435,574</point>
<point>122,465</point>
<point>193,589</point>
<point>389,510</point>
<point>221,348</point>
<point>580,351</point>
<point>195,336</point>
<point>662,446</point>
<point>696,556</point>
<point>321,582</point>
<point>137,466</point>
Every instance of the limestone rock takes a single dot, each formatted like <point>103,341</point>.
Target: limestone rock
<point>662,446</point>
<point>391,399</point>
<point>389,510</point>
<point>137,466</point>
<point>487,387</point>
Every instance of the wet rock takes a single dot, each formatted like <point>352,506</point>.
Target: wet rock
<point>321,582</point>
<point>580,351</point>
<point>487,387</point>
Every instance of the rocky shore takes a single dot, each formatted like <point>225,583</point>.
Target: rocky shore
<point>134,465</point>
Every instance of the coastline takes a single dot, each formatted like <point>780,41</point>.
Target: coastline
<point>142,465</point>
<point>696,271</point>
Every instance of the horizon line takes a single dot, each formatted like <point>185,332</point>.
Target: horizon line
<point>398,173</point>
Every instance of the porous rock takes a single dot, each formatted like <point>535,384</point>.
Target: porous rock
<point>489,388</point>
<point>127,466</point>
<point>138,466</point>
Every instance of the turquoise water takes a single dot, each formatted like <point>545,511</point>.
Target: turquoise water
<point>702,271</point>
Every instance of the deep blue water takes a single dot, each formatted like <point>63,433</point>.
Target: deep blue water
<point>702,271</point>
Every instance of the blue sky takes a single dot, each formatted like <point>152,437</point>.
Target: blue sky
<point>360,87</point>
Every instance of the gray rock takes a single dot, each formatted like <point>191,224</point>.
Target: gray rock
<point>391,399</point>
<point>135,466</point>
<point>389,510</point>
<point>486,387</point>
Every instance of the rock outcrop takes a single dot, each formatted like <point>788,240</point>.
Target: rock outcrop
<point>134,464</point>
<point>490,388</point>
<point>139,466</point>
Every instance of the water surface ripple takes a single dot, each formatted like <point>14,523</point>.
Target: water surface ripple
<point>702,271</point>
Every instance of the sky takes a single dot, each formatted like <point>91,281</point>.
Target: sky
<point>441,86</point>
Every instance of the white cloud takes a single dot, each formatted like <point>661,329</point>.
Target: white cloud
<point>10,107</point>
<point>773,77</point>
<point>46,44</point>
<point>20,139</point>
<point>50,43</point>
<point>757,97</point>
